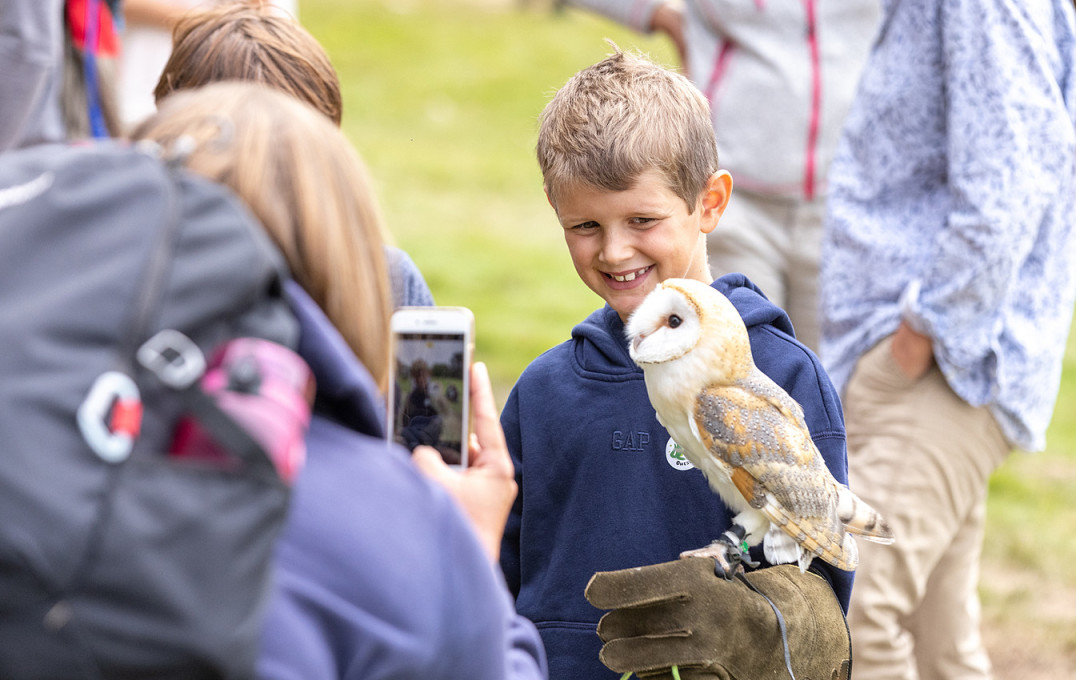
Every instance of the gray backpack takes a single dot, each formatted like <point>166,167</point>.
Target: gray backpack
<point>150,416</point>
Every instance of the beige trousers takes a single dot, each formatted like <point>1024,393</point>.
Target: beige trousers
<point>777,244</point>
<point>922,457</point>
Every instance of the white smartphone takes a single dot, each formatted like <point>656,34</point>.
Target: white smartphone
<point>430,387</point>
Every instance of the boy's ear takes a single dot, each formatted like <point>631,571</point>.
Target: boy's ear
<point>715,198</point>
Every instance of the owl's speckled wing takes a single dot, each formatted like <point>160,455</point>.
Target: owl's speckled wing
<point>759,432</point>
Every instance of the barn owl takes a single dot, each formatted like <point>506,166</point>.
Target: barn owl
<point>744,432</point>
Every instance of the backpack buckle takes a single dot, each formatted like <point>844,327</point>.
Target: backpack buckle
<point>110,416</point>
<point>173,358</point>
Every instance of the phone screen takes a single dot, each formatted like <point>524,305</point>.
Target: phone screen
<point>430,403</point>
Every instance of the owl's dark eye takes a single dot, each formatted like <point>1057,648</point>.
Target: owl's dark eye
<point>674,321</point>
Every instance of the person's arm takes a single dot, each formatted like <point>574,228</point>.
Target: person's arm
<point>159,13</point>
<point>415,596</point>
<point>645,16</point>
<point>364,593</point>
<point>487,487</point>
<point>1004,119</point>
<point>637,14</point>
<point>526,658</point>
<point>409,288</point>
<point>668,18</point>
<point>486,490</point>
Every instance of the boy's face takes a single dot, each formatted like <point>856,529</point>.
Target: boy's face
<point>624,243</point>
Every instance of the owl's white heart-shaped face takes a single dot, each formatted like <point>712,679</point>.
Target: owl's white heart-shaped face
<point>664,327</point>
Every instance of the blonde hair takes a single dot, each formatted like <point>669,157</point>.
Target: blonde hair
<point>253,41</point>
<point>308,187</point>
<point>625,115</point>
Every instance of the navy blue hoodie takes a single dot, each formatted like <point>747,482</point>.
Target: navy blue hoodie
<point>378,573</point>
<point>599,488</point>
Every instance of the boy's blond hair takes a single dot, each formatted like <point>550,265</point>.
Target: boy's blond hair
<point>625,115</point>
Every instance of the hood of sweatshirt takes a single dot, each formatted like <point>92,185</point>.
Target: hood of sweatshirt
<point>346,392</point>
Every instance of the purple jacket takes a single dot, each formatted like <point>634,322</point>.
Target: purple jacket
<point>378,573</point>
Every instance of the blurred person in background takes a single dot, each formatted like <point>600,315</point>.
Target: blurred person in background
<point>252,40</point>
<point>948,290</point>
<point>779,77</point>
<point>147,44</point>
<point>31,72</point>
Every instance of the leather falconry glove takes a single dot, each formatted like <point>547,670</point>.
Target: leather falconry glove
<point>681,614</point>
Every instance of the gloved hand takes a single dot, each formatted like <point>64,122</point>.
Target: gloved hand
<point>680,614</point>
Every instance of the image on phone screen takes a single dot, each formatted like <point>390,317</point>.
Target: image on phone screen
<point>428,391</point>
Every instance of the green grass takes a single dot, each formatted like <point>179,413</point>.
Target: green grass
<point>1031,497</point>
<point>442,99</point>
<point>1028,583</point>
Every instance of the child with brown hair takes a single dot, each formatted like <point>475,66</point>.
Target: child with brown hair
<point>253,41</point>
<point>256,42</point>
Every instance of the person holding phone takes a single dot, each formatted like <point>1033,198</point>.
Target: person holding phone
<point>376,562</point>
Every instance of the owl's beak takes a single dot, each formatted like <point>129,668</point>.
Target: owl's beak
<point>637,340</point>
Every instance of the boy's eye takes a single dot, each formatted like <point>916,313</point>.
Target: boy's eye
<point>582,226</point>
<point>642,220</point>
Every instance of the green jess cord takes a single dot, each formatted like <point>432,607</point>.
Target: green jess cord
<point>675,674</point>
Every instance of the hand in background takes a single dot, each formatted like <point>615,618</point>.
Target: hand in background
<point>159,13</point>
<point>913,351</point>
<point>669,19</point>
<point>486,488</point>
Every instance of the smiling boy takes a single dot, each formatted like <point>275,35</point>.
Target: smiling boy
<point>630,167</point>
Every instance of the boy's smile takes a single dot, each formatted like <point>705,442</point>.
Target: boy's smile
<point>624,243</point>
<point>629,279</point>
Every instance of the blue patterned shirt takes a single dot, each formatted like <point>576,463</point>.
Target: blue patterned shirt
<point>953,202</point>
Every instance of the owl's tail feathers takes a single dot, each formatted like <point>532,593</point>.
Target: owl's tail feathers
<point>861,519</point>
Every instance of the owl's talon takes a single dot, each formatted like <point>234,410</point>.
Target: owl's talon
<point>727,568</point>
<point>726,556</point>
<point>729,553</point>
